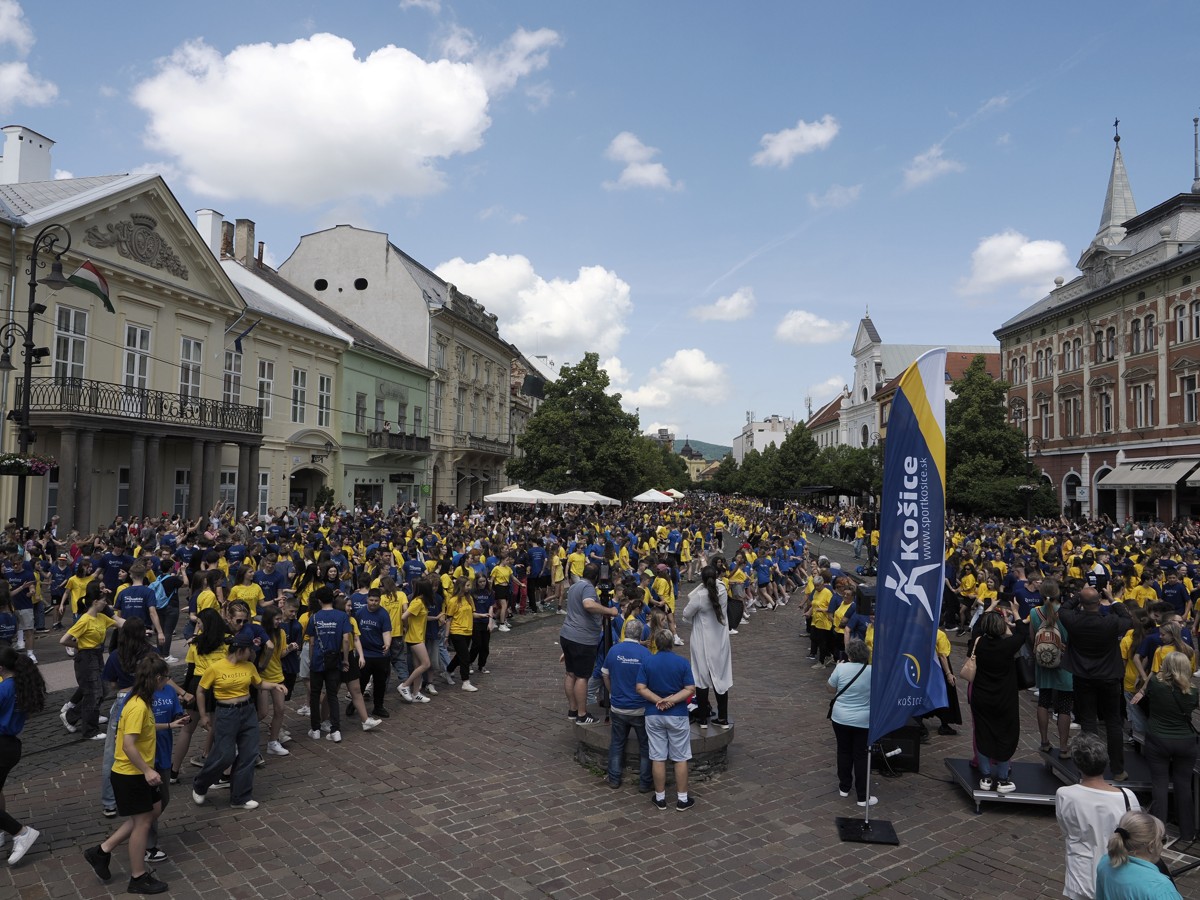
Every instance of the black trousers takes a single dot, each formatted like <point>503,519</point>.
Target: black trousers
<point>330,680</point>
<point>1171,761</point>
<point>10,755</point>
<point>703,709</point>
<point>375,668</point>
<point>851,759</point>
<point>481,643</point>
<point>1100,699</point>
<point>462,655</point>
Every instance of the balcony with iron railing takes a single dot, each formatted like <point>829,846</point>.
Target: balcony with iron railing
<point>484,444</point>
<point>390,440</point>
<point>85,397</point>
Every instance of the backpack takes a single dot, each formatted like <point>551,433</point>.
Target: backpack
<point>161,598</point>
<point>1048,647</point>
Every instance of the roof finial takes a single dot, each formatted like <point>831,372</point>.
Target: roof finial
<point>867,312</point>
<point>1196,155</point>
<point>1116,131</point>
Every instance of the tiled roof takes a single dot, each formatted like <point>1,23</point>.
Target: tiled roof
<point>826,414</point>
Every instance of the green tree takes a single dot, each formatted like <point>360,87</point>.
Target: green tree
<point>796,464</point>
<point>754,474</point>
<point>728,477</point>
<point>986,461</point>
<point>580,437</point>
<point>847,470</point>
<point>657,467</point>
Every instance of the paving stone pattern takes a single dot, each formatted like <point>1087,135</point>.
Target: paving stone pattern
<point>477,795</point>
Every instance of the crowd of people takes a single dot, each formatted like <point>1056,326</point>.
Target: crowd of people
<point>358,603</point>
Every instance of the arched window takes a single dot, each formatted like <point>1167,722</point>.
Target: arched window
<point>1181,324</point>
<point>1110,342</point>
<point>1099,351</point>
<point>1024,369</point>
<point>1151,333</point>
<point>1195,319</point>
<point>866,436</point>
<point>1066,356</point>
<point>1135,336</point>
<point>1039,361</point>
<point>1078,348</point>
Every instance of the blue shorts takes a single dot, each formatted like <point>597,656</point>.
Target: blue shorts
<point>669,737</point>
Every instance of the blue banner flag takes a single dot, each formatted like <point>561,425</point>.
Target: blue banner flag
<point>906,679</point>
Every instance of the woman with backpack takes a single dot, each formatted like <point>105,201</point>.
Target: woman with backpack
<point>1054,683</point>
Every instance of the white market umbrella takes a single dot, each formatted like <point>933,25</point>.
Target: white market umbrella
<point>512,495</point>
<point>602,500</point>
<point>578,498</point>
<point>678,495</point>
<point>653,496</point>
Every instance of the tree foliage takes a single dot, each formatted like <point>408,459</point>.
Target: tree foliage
<point>581,439</point>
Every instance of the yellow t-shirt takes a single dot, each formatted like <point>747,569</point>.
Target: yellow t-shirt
<point>1127,653</point>
<point>418,615</point>
<point>207,600</point>
<point>942,644</point>
<point>137,719</point>
<point>229,681</point>
<point>250,594</point>
<point>462,614</point>
<point>200,663</point>
<point>575,563</point>
<point>394,604</point>
<point>89,631</point>
<point>273,671</point>
<point>77,587</point>
<point>820,609</point>
<point>501,575</point>
<point>666,592</point>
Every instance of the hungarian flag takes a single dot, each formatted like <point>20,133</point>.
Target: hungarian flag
<point>89,278</point>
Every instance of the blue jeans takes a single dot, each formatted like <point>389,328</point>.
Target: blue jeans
<point>235,741</point>
<point>986,765</point>
<point>399,660</point>
<point>621,726</point>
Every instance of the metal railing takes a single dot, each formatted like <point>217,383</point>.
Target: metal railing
<point>387,440</point>
<point>102,398</point>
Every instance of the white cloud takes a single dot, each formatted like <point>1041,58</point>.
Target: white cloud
<point>737,305</point>
<point>651,430</point>
<point>14,29</point>
<point>517,218</point>
<point>556,316</point>
<point>825,391</point>
<point>780,148</point>
<point>63,175</point>
<point>639,171</point>
<point>618,375</point>
<point>687,375</point>
<point>433,6</point>
<point>929,165</point>
<point>836,197</point>
<point>311,122</point>
<point>20,87</point>
<point>1010,258</point>
<point>523,53</point>
<point>801,327</point>
<point>1004,140</point>
<point>500,212</point>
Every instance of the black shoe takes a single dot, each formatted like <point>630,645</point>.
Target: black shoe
<point>146,883</point>
<point>174,777</point>
<point>946,729</point>
<point>380,714</point>
<point>661,804</point>
<point>585,720</point>
<point>99,861</point>
<point>220,783</point>
<point>615,785</point>
<point>572,715</point>
<point>685,804</point>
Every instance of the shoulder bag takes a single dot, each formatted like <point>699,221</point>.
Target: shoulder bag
<point>967,672</point>
<point>829,713</point>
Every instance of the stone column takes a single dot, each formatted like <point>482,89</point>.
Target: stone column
<point>195,495</point>
<point>209,479</point>
<point>84,479</point>
<point>252,479</point>
<point>152,502</point>
<point>137,469</point>
<point>244,488</point>
<point>67,454</point>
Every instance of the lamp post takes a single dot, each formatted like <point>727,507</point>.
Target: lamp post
<point>320,457</point>
<point>47,239</point>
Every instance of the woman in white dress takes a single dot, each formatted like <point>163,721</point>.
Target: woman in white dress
<point>712,663</point>
<point>1087,813</point>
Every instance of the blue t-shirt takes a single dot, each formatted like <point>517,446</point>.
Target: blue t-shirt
<point>484,601</point>
<point>8,627</point>
<point>537,561</point>
<point>762,569</point>
<point>371,626</point>
<point>292,634</point>
<point>12,720</point>
<point>113,671</point>
<point>271,583</point>
<point>853,708</point>
<point>167,709</point>
<point>135,602</point>
<point>326,627</point>
<point>110,566</point>
<point>1175,594</point>
<point>17,576</point>
<point>622,666</point>
<point>665,674</point>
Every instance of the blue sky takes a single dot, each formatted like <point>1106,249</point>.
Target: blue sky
<point>708,194</point>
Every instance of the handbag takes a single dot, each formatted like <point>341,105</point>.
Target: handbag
<point>829,713</point>
<point>967,672</point>
<point>1026,673</point>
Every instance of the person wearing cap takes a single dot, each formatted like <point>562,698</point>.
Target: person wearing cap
<point>230,682</point>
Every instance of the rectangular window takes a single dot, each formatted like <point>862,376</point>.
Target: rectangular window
<point>439,356</point>
<point>264,492</point>
<point>460,410</point>
<point>487,416</point>
<point>191,355</point>
<point>137,357</point>
<point>380,413</point>
<point>1135,336</point>
<point>1047,425</point>
<point>1066,356</point>
<point>266,386</point>
<point>417,421</point>
<point>231,381</point>
<point>1150,332</point>
<point>299,394</point>
<point>437,405</point>
<point>227,489</point>
<point>123,491</point>
<point>70,328</point>
<point>183,486</point>
<point>1143,405</point>
<point>474,414</point>
<point>1187,386</point>
<point>360,413</point>
<point>1104,409</point>
<point>401,417</point>
<point>324,400</point>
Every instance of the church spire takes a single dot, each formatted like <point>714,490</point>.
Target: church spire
<point>1118,202</point>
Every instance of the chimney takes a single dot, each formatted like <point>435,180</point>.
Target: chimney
<point>208,223</point>
<point>243,241</point>
<point>226,240</point>
<point>26,155</point>
<point>261,247</point>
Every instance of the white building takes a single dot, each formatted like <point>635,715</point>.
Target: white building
<point>758,435</point>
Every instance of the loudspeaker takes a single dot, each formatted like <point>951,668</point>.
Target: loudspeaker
<point>906,739</point>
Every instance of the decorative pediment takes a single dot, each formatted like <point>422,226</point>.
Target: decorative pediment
<point>1069,389</point>
<point>137,238</point>
<point>1100,381</point>
<point>1184,362</point>
<point>1041,396</point>
<point>1139,373</point>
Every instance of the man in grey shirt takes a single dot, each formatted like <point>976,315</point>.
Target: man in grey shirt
<point>580,640</point>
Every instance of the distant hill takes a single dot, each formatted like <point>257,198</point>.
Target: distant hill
<point>708,451</point>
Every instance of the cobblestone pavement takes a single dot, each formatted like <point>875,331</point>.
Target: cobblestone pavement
<point>477,795</point>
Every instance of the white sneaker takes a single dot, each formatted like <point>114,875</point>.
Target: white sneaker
<point>170,660</point>
<point>62,717</point>
<point>327,726</point>
<point>103,720</point>
<point>249,804</point>
<point>68,706</point>
<point>430,689</point>
<point>32,659</point>
<point>335,736</point>
<point>467,686</point>
<point>485,671</point>
<point>275,748</point>
<point>70,651</point>
<point>303,711</point>
<point>406,693</point>
<point>371,724</point>
<point>733,631</point>
<point>678,641</point>
<point>450,679</point>
<point>315,735</point>
<point>21,844</point>
<point>505,627</point>
<point>870,801</point>
<point>418,697</point>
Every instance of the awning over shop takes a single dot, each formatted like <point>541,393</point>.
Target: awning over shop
<point>1149,475</point>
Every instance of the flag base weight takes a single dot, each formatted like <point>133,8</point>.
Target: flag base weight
<point>856,831</point>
